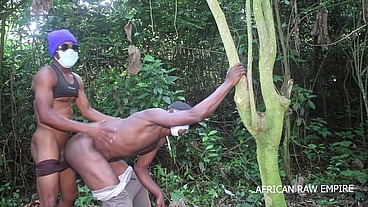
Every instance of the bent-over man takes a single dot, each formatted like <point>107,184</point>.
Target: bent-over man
<point>142,133</point>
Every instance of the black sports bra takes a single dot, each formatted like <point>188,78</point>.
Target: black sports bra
<point>63,88</point>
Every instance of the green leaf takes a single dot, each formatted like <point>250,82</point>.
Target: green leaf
<point>295,106</point>
<point>311,105</point>
<point>160,90</point>
<point>175,196</point>
<point>213,155</point>
<point>325,133</point>
<point>212,132</point>
<point>345,143</point>
<point>312,146</point>
<point>155,104</point>
<point>299,121</point>
<point>209,147</point>
<point>277,78</point>
<point>142,85</point>
<point>166,99</point>
<point>201,166</point>
<point>143,95</point>
<point>149,58</point>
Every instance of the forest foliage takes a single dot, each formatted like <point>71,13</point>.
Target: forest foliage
<point>183,58</point>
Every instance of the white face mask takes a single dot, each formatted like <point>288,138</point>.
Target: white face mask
<point>175,130</point>
<point>68,58</point>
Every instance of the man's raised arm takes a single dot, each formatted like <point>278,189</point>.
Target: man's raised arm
<point>210,104</point>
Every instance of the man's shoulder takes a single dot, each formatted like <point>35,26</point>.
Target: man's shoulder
<point>45,70</point>
<point>44,73</point>
<point>43,76</point>
<point>154,110</point>
<point>150,113</point>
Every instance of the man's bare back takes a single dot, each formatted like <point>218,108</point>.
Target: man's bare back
<point>134,136</point>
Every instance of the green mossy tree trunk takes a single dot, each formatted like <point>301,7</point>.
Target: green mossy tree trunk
<point>266,127</point>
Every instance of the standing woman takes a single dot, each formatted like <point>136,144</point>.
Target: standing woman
<point>56,89</point>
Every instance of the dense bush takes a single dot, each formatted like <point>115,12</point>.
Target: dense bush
<point>215,163</point>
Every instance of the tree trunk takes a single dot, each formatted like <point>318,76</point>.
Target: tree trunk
<point>2,46</point>
<point>268,167</point>
<point>265,127</point>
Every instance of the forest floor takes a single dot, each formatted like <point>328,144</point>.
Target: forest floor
<point>321,200</point>
<point>295,200</point>
<point>307,201</point>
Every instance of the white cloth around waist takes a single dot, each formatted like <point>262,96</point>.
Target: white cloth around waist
<point>109,192</point>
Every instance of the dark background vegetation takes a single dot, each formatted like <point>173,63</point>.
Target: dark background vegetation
<point>183,58</point>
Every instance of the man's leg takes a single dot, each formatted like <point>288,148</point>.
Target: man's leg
<point>95,171</point>
<point>68,188</point>
<point>137,192</point>
<point>122,200</point>
<point>45,154</point>
<point>48,189</point>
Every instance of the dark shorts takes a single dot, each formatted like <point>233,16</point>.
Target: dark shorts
<point>50,166</point>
